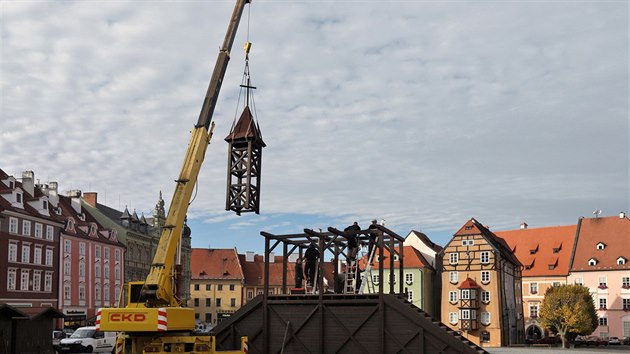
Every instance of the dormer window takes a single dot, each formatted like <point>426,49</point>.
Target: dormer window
<point>600,246</point>
<point>592,262</point>
<point>11,184</point>
<point>533,250</point>
<point>44,204</point>
<point>621,261</point>
<point>82,217</point>
<point>18,197</point>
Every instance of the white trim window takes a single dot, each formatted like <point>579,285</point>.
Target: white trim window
<point>49,257</point>
<point>37,280</point>
<point>48,282</point>
<point>485,257</point>
<point>26,253</point>
<point>82,269</point>
<point>67,246</point>
<point>452,317</point>
<point>376,279</point>
<point>81,292</point>
<point>12,279</point>
<point>465,314</point>
<point>37,255</point>
<point>38,230</point>
<point>453,258</point>
<point>603,303</point>
<point>465,294</point>
<point>485,318</point>
<point>24,279</point>
<point>67,267</point>
<point>485,296</point>
<point>452,296</point>
<point>409,278</point>
<point>81,248</point>
<point>13,225</point>
<point>50,233</point>
<point>453,277</point>
<point>13,252</point>
<point>26,228</point>
<point>410,296</point>
<point>533,288</point>
<point>66,292</point>
<point>485,276</point>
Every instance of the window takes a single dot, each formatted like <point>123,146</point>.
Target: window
<point>38,230</point>
<point>26,253</point>
<point>117,273</point>
<point>208,287</point>
<point>453,277</point>
<point>603,283</point>
<point>220,287</point>
<point>81,269</point>
<point>82,249</point>
<point>621,261</point>
<point>410,296</point>
<point>196,287</point>
<point>218,302</point>
<point>468,243</point>
<point>392,275</point>
<point>556,283</point>
<point>208,302</point>
<point>44,204</point>
<point>48,282</point>
<point>116,292</point>
<point>97,251</point>
<point>97,292</point>
<point>600,246</point>
<point>106,272</point>
<point>485,318</point>
<point>117,255</point>
<point>97,270</point>
<point>106,293</point>
<point>106,252</point>
<point>453,258</point>
<point>37,255</point>
<point>626,304</point>
<point>66,267</point>
<point>13,225</point>
<point>376,279</point>
<point>13,252</point>
<point>250,294</point>
<point>11,279</point>
<point>625,282</point>
<point>485,276</point>
<point>485,297</point>
<point>231,287</point>
<point>82,293</point>
<point>232,302</point>
<point>533,288</point>
<point>49,257</point>
<point>409,278</point>
<point>196,301</point>
<point>465,314</point>
<point>50,232</point>
<point>66,292</point>
<point>208,317</point>
<point>603,303</point>
<point>452,296</point>
<point>67,246</point>
<point>603,321</point>
<point>452,317</point>
<point>485,257</point>
<point>578,281</point>
<point>26,228</point>
<point>465,294</point>
<point>533,310</point>
<point>18,197</point>
<point>24,279</point>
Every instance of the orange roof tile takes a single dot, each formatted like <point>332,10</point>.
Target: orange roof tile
<point>412,258</point>
<point>254,272</point>
<point>613,231</point>
<point>534,247</point>
<point>215,264</point>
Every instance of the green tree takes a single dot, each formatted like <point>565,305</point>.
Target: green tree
<point>568,309</point>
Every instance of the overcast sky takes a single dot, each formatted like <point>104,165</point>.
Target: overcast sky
<point>422,113</point>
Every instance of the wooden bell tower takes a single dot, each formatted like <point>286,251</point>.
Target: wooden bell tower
<point>244,157</point>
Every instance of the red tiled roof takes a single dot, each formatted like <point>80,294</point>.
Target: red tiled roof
<point>613,231</point>
<point>215,264</point>
<point>469,284</point>
<point>254,272</point>
<point>542,241</point>
<point>245,129</point>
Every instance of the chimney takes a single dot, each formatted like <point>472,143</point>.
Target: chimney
<point>51,192</point>
<point>622,215</point>
<point>90,198</point>
<point>75,199</point>
<point>249,256</point>
<point>524,226</point>
<point>28,182</point>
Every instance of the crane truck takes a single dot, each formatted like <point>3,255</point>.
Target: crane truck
<point>154,319</point>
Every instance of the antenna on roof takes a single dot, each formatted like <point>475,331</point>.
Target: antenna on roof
<point>597,212</point>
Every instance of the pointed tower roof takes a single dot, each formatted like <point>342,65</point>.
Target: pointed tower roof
<point>125,214</point>
<point>143,220</point>
<point>134,217</point>
<point>246,129</point>
<point>469,284</point>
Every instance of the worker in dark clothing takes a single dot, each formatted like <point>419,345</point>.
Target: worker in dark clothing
<point>311,255</point>
<point>372,235</point>
<point>351,234</point>
<point>299,273</point>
